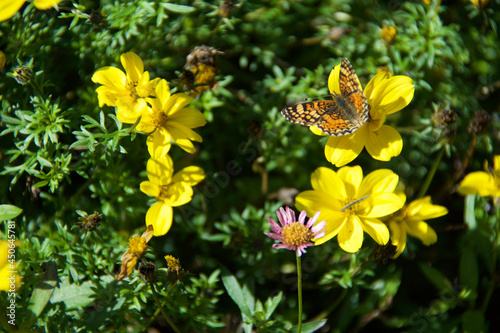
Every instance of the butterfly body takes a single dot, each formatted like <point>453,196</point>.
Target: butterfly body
<point>342,115</point>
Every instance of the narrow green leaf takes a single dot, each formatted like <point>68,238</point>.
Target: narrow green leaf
<point>310,327</point>
<point>179,9</point>
<point>469,216</point>
<point>42,292</point>
<point>235,292</point>
<point>435,277</point>
<point>8,212</point>
<point>272,303</point>
<point>469,275</point>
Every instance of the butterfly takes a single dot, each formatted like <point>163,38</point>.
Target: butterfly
<point>343,115</point>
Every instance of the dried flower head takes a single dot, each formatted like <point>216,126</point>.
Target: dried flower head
<point>479,123</point>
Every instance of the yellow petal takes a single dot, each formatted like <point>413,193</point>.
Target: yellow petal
<point>160,170</point>
<point>158,144</point>
<point>178,194</point>
<point>422,231</point>
<point>423,209</point>
<point>380,205</point>
<point>340,150</point>
<point>313,201</point>
<point>496,165</point>
<point>328,181</point>
<point>189,117</point>
<point>398,237</point>
<point>384,144</point>
<point>378,181</point>
<point>350,237</point>
<point>8,8</point>
<point>111,77</point>
<point>190,175</point>
<point>133,66</point>
<point>334,79</point>
<point>317,131</point>
<point>46,4</point>
<point>150,188</point>
<point>351,178</point>
<point>389,95</point>
<point>478,182</point>
<point>372,87</point>
<point>176,103</point>
<point>160,217</point>
<point>334,222</point>
<point>376,229</point>
<point>162,93</point>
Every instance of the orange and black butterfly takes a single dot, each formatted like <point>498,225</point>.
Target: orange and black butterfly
<point>341,116</point>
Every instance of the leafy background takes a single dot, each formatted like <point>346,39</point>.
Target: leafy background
<point>274,54</point>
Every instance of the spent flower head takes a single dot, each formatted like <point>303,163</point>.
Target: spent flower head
<point>295,235</point>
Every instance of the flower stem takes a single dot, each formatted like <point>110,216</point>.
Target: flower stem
<point>162,309</point>
<point>299,290</point>
<point>430,175</point>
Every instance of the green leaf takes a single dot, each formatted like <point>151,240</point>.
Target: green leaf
<point>74,296</point>
<point>469,215</point>
<point>235,292</point>
<point>179,9</point>
<point>8,212</point>
<point>435,277</point>
<point>42,293</point>
<point>272,303</point>
<point>469,275</point>
<point>312,326</point>
<point>473,321</point>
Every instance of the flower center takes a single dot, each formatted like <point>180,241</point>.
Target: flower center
<point>296,234</point>
<point>158,118</point>
<point>132,87</point>
<point>350,205</point>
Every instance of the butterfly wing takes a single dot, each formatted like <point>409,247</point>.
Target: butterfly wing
<point>308,113</point>
<point>350,88</point>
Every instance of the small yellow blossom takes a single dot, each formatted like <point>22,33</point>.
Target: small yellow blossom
<point>127,91</point>
<point>485,183</point>
<point>9,278</point>
<point>168,119</point>
<point>386,94</point>
<point>481,4</point>
<point>170,191</point>
<point>410,220</point>
<point>388,33</point>
<point>351,205</point>
<point>9,7</point>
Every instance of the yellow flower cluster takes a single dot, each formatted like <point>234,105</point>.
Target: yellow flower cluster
<point>352,205</point>
<point>9,7</point>
<point>166,118</point>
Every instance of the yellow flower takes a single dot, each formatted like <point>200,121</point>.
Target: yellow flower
<point>128,91</point>
<point>9,7</point>
<point>351,205</point>
<point>170,191</point>
<point>484,183</point>
<point>388,33</point>
<point>386,94</point>
<point>168,118</point>
<point>409,220</point>
<point>9,278</point>
<point>481,4</point>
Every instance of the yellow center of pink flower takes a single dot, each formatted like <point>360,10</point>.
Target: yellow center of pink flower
<point>296,234</point>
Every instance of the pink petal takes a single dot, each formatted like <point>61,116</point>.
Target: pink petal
<point>274,226</point>
<point>302,217</point>
<point>273,236</point>
<point>312,220</point>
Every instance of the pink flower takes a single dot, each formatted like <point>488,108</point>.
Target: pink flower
<point>295,235</point>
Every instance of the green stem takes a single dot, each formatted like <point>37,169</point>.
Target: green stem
<point>299,290</point>
<point>162,309</point>
<point>430,175</point>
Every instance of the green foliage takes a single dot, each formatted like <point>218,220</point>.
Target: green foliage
<point>63,157</point>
